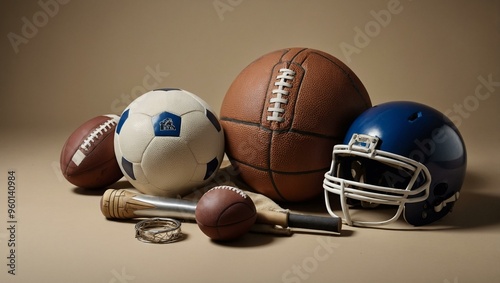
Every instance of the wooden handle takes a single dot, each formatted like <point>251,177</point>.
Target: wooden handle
<point>124,204</point>
<point>272,217</point>
<point>121,204</point>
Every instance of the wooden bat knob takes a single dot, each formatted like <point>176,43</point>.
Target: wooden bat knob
<point>121,204</point>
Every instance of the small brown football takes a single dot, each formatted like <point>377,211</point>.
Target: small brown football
<point>88,156</point>
<point>225,213</point>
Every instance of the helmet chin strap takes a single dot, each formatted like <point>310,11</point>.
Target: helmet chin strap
<point>453,198</point>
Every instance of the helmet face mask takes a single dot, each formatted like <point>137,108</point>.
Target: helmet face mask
<point>393,180</point>
<point>383,163</point>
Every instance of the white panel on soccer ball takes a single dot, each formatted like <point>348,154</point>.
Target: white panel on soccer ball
<point>168,164</point>
<point>201,101</point>
<point>150,103</point>
<point>182,102</point>
<point>204,140</point>
<point>157,101</point>
<point>135,135</point>
<point>199,175</point>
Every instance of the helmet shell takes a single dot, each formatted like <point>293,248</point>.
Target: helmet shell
<point>423,134</point>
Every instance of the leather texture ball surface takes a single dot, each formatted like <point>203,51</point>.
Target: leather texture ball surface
<point>225,213</point>
<point>283,114</point>
<point>88,157</point>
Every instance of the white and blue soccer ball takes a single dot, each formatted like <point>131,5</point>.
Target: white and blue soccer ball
<point>168,142</point>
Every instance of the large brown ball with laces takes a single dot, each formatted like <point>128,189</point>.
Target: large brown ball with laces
<point>283,114</point>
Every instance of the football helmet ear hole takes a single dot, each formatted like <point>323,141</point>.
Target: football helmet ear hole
<point>440,189</point>
<point>413,117</point>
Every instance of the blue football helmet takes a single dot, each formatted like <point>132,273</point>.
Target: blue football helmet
<point>402,154</point>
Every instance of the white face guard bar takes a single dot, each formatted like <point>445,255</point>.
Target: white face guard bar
<point>364,146</point>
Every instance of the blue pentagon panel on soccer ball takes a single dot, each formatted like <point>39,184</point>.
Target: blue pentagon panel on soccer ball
<point>213,119</point>
<point>166,124</point>
<point>123,118</point>
<point>128,168</point>
<point>211,168</point>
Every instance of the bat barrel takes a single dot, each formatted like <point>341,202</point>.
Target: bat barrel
<point>174,208</point>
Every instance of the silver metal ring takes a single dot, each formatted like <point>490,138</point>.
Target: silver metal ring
<point>158,230</point>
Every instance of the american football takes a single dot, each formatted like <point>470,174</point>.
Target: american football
<point>225,213</point>
<point>87,158</point>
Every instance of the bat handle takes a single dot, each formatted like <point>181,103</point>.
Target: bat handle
<point>332,224</point>
<point>118,204</point>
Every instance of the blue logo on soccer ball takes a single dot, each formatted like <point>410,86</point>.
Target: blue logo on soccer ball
<point>167,124</point>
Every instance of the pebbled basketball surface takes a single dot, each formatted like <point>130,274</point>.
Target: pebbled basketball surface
<point>283,114</point>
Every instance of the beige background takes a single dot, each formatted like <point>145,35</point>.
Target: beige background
<point>65,62</point>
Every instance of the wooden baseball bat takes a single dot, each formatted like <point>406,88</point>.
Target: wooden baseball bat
<point>123,204</point>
